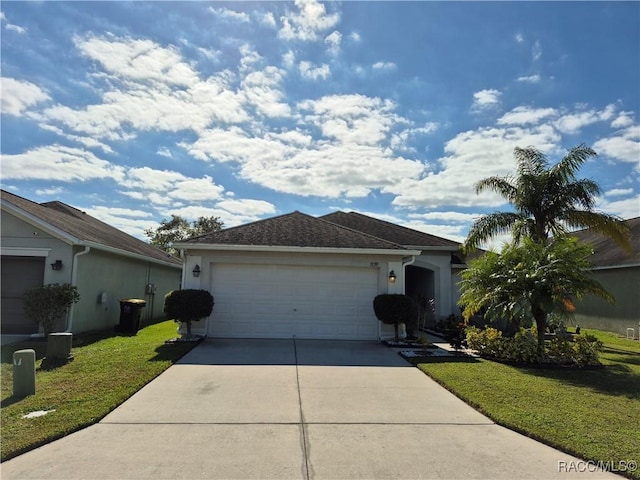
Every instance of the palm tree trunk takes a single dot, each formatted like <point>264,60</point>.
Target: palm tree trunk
<point>541,324</point>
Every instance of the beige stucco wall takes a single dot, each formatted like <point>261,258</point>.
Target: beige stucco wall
<point>118,277</point>
<point>21,239</point>
<point>98,271</point>
<point>445,296</point>
<point>205,259</point>
<point>624,284</point>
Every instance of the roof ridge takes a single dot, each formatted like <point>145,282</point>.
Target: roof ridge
<point>361,232</point>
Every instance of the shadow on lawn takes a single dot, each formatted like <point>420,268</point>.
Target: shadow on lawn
<point>616,379</point>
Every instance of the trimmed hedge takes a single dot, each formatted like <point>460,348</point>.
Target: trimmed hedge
<point>188,306</point>
<point>396,308</point>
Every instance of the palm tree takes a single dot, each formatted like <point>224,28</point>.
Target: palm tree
<point>547,201</point>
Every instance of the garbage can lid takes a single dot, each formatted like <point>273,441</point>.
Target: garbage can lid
<point>135,301</point>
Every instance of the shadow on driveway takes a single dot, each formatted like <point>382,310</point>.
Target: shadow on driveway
<point>293,352</point>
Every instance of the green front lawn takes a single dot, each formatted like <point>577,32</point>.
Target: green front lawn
<point>107,370</point>
<point>592,414</point>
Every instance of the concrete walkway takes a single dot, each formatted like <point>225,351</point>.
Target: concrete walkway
<point>301,409</point>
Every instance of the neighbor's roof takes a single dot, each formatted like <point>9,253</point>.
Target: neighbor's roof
<point>294,229</point>
<point>391,232</point>
<point>608,253</point>
<point>85,228</point>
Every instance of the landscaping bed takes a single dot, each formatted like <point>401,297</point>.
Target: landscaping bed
<point>107,369</point>
<point>592,414</point>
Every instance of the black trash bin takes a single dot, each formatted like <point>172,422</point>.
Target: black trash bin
<point>130,311</point>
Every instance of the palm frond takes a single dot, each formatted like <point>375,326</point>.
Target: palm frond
<point>489,226</point>
<point>530,161</point>
<point>501,185</point>
<point>567,168</point>
<point>605,224</point>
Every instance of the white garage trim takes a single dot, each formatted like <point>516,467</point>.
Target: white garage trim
<point>293,301</point>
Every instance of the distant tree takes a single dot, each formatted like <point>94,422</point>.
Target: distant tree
<point>528,281</point>
<point>547,201</point>
<point>178,229</point>
<point>47,304</point>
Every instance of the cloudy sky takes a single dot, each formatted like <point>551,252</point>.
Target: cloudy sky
<point>133,111</point>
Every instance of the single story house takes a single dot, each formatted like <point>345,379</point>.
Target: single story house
<point>619,272</point>
<point>300,276</point>
<point>53,242</point>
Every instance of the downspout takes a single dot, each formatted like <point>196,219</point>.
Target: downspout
<point>74,279</point>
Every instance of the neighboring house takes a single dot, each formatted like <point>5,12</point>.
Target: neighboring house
<point>300,276</point>
<point>619,272</point>
<point>55,243</point>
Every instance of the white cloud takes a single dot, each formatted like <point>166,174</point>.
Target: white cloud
<point>618,192</point>
<point>518,38</point>
<point>289,59</point>
<point>333,41</point>
<point>449,216</point>
<point>384,66</point>
<point>624,119</point>
<point>269,20</point>
<point>311,72</point>
<point>355,36</point>
<point>164,152</point>
<point>17,96</point>
<point>529,79</point>
<point>572,123</point>
<point>470,157</point>
<point>230,15</point>
<point>526,115</point>
<point>15,28</point>
<point>625,146</point>
<point>625,208</point>
<point>536,50</point>
<point>50,191</point>
<point>254,208</point>
<point>58,163</point>
<point>486,99</point>
<point>308,24</point>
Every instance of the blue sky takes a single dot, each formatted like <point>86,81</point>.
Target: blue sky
<point>133,111</point>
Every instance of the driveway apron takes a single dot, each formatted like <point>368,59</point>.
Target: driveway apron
<point>300,409</point>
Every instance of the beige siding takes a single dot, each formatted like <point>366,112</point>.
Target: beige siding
<point>624,284</point>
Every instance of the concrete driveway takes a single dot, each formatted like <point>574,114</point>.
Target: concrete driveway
<point>300,409</point>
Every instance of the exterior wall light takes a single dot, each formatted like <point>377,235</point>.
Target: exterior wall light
<point>57,265</point>
<point>196,271</point>
<point>392,277</point>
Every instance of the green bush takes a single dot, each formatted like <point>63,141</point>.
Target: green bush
<point>394,309</point>
<point>47,304</point>
<point>189,305</point>
<point>582,350</point>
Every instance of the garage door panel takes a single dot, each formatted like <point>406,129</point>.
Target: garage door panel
<point>278,301</point>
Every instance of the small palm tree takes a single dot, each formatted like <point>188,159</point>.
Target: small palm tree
<point>547,201</point>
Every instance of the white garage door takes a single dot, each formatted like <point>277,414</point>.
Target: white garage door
<point>278,301</point>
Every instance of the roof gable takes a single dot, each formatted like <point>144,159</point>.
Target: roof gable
<point>391,232</point>
<point>606,252</point>
<point>294,229</point>
<point>85,228</point>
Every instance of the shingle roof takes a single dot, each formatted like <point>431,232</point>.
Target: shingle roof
<point>294,229</point>
<point>608,253</point>
<point>86,228</point>
<point>389,231</point>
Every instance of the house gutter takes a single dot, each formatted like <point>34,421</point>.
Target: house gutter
<point>74,280</point>
<point>294,249</point>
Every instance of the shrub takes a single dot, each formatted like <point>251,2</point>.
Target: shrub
<point>189,305</point>
<point>488,342</point>
<point>394,309</point>
<point>47,304</point>
<point>523,347</point>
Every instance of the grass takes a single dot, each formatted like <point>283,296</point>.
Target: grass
<point>107,369</point>
<point>592,414</point>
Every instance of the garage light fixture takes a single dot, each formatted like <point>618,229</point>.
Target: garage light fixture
<point>392,277</point>
<point>57,265</point>
<point>196,271</point>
